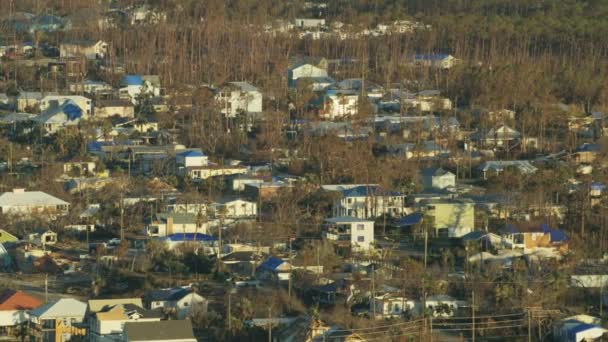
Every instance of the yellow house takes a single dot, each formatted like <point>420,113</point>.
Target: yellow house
<point>452,217</point>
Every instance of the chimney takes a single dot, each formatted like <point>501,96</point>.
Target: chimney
<point>19,191</point>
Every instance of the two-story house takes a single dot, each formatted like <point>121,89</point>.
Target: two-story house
<point>369,201</point>
<point>358,233</point>
<point>180,301</point>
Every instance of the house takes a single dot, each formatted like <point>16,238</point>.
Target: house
<point>181,301</point>
<point>43,238</point>
<point>391,305</point>
<point>236,208</point>
<point>163,331</point>
<point>450,217</point>
<point>314,83</point>
<point>6,237</point>
<point>107,317</point>
<point>238,182</point>
<point>88,48</point>
<point>55,101</point>
<point>90,87</point>
<point>306,23</point>
<point>265,190</point>
<point>341,335</point>
<point>243,262</point>
<point>210,170</point>
<point>437,178</point>
<point>58,320</point>
<point>14,307</point>
<point>302,71</point>
<point>358,233</point>
<point>28,100</point>
<point>442,305</point>
<point>532,236</point>
<point>495,167</point>
<point>165,224</point>
<point>239,97</point>
<point>426,101</point>
<point>586,153</point>
<point>111,108</point>
<point>21,202</point>
<point>134,86</point>
<point>578,328</point>
<point>54,119</point>
<point>274,270</point>
<point>79,167</point>
<point>441,61</point>
<point>191,158</point>
<point>502,136</point>
<point>336,104</point>
<point>369,201</point>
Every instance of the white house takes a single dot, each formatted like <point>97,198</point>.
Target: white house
<point>88,48</point>
<point>391,305</point>
<point>338,104</point>
<point>183,300</point>
<point>305,70</point>
<point>43,238</point>
<point>443,305</point>
<point>239,97</point>
<point>191,158</point>
<point>437,178</point>
<point>358,232</point>
<point>56,101</point>
<point>236,208</point>
<point>133,86</point>
<point>13,310</point>
<point>21,202</point>
<point>305,23</point>
<point>238,182</point>
<point>368,201</point>
<point>54,118</point>
<point>441,61</point>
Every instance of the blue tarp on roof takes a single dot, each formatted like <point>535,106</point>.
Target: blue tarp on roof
<point>191,237</point>
<point>271,264</point>
<point>586,147</point>
<point>571,332</point>
<point>132,80</point>
<point>558,236</point>
<point>371,190</point>
<point>192,154</point>
<point>598,186</point>
<point>409,220</point>
<point>72,111</point>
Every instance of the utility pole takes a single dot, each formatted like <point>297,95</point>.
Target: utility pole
<point>46,287</point>
<point>373,294</point>
<point>122,217</point>
<point>426,240</point>
<point>269,326</point>
<point>290,271</point>
<point>229,313</point>
<point>529,327</point>
<point>473,314</point>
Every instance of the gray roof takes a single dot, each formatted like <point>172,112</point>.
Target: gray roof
<point>65,307</point>
<point>523,166</point>
<point>345,219</point>
<point>244,86</point>
<point>29,198</point>
<point>159,331</point>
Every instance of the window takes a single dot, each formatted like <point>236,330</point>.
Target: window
<point>360,227</point>
<point>349,201</point>
<point>186,304</point>
<point>360,238</point>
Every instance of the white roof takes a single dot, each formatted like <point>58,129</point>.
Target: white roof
<point>65,307</point>
<point>29,198</point>
<point>345,219</point>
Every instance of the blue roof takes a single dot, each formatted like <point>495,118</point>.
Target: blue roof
<point>409,220</point>
<point>192,154</point>
<point>588,148</point>
<point>598,186</point>
<point>129,80</point>
<point>190,237</point>
<point>431,57</point>
<point>558,236</point>
<point>271,263</point>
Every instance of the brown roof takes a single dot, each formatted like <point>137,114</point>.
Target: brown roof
<point>113,103</point>
<point>17,300</point>
<point>159,331</point>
